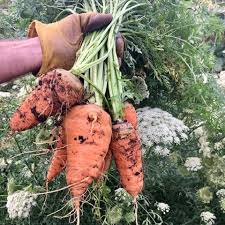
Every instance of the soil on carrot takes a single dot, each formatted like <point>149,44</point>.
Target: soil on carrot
<point>56,92</point>
<point>88,133</point>
<point>126,148</point>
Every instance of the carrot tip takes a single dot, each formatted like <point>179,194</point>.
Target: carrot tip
<point>78,215</point>
<point>136,210</point>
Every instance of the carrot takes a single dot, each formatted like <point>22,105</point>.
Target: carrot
<point>59,158</point>
<point>56,91</point>
<point>126,149</point>
<point>130,114</point>
<point>88,132</point>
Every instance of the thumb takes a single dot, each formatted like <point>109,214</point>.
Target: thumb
<point>91,21</point>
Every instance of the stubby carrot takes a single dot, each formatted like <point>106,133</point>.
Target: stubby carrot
<point>126,148</point>
<point>55,93</point>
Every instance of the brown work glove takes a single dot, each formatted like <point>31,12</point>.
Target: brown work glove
<point>61,40</point>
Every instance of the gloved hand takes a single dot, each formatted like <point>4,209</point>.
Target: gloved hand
<point>61,40</point>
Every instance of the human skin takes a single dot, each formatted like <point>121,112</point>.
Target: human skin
<point>19,57</point>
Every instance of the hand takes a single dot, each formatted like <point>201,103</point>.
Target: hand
<point>61,40</point>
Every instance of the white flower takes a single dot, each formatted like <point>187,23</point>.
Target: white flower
<point>208,218</point>
<point>121,195</point>
<point>199,132</point>
<point>3,164</point>
<point>26,172</point>
<point>19,204</point>
<point>193,163</point>
<point>161,151</point>
<point>202,136</point>
<point>5,94</point>
<point>158,127</point>
<point>221,193</point>
<point>163,207</point>
<point>183,136</point>
<point>218,145</point>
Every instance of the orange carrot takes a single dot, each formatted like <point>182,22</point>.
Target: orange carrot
<point>126,148</point>
<point>130,114</point>
<point>59,158</point>
<point>56,92</point>
<point>88,132</point>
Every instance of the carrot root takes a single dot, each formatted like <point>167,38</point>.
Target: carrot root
<point>126,148</point>
<point>88,133</point>
<point>59,158</point>
<point>57,91</point>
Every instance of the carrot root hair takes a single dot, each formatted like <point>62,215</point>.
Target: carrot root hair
<point>136,210</point>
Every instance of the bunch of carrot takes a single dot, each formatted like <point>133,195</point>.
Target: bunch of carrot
<point>89,137</point>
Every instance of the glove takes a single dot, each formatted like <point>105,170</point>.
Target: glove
<point>61,40</point>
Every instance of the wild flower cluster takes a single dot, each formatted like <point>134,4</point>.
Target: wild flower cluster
<point>193,164</point>
<point>216,172</point>
<point>221,195</point>
<point>123,197</point>
<point>123,210</point>
<point>208,218</point>
<point>19,204</point>
<point>203,142</point>
<point>159,129</point>
<point>205,195</point>
<point>3,164</point>
<point>163,207</point>
<point>161,151</point>
<point>219,145</point>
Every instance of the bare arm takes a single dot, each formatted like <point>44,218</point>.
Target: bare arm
<point>19,57</point>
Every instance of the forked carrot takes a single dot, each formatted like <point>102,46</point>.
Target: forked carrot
<point>88,132</point>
